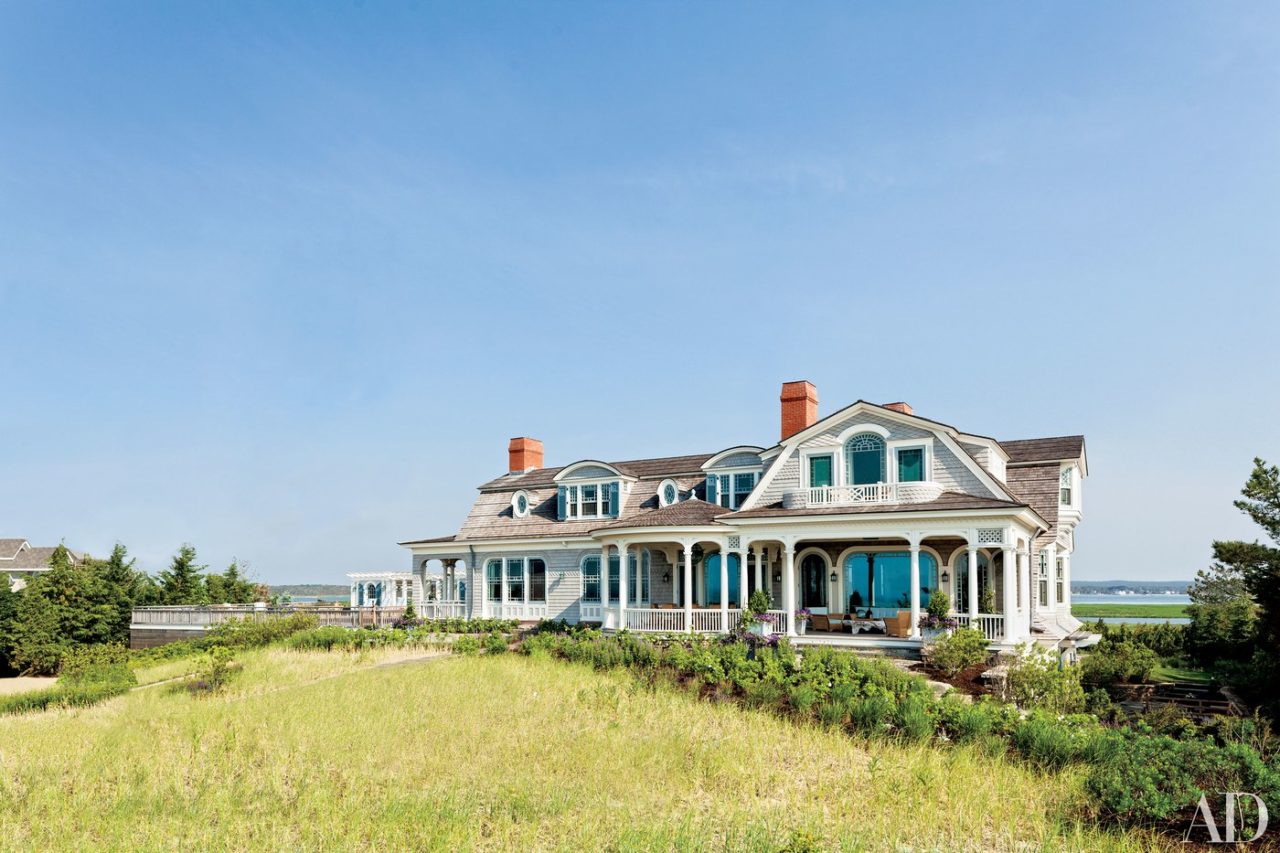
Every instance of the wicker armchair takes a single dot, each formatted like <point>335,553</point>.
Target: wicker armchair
<point>900,625</point>
<point>820,622</point>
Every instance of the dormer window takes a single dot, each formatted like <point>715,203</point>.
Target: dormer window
<point>1066,480</point>
<point>588,500</point>
<point>668,493</point>
<point>520,504</point>
<point>731,490</point>
<point>864,459</point>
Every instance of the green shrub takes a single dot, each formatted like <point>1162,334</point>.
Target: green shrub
<point>214,672</point>
<point>803,698</point>
<point>913,720</point>
<point>495,644</point>
<point>1054,743</point>
<point>1117,662</point>
<point>103,664</point>
<point>468,644</point>
<point>1036,679</point>
<point>964,648</point>
<point>939,605</point>
<point>870,714</point>
<point>248,633</point>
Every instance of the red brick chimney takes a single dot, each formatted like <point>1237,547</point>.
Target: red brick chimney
<point>799,407</point>
<point>905,408</point>
<point>524,454</point>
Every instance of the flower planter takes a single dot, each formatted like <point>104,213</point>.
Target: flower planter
<point>802,626</point>
<point>760,629</point>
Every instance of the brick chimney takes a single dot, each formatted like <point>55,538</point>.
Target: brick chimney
<point>905,408</point>
<point>524,454</point>
<point>799,407</point>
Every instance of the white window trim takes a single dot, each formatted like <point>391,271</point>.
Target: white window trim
<point>731,473</point>
<point>515,504</point>
<point>836,455</point>
<point>662,488</point>
<point>892,448</point>
<point>575,489</point>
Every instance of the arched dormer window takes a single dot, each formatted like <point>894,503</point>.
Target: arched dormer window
<point>864,459</point>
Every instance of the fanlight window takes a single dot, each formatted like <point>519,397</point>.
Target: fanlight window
<point>864,459</point>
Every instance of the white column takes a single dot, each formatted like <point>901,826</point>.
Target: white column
<point>1024,586</point>
<point>622,585</point>
<point>742,576</point>
<point>724,587</point>
<point>915,589</point>
<point>1009,559</point>
<point>789,585</point>
<point>1066,583</point>
<point>973,583</point>
<point>1051,566</point>
<point>354,595</point>
<point>675,587</point>
<point>502,575</point>
<point>604,585</point>
<point>688,585</point>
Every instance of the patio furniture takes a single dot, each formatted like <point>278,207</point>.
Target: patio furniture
<point>820,622</point>
<point>866,626</point>
<point>900,625</point>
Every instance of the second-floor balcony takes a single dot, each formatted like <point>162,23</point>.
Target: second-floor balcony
<point>860,495</point>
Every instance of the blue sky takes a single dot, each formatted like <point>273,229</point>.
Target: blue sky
<point>281,280</point>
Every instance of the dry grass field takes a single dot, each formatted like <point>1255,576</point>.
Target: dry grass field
<point>348,752</point>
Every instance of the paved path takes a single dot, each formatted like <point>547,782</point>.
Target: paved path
<point>23,683</point>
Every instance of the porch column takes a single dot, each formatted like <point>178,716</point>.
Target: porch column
<point>675,586</point>
<point>483,598</point>
<point>973,583</point>
<point>1009,558</point>
<point>915,589</point>
<point>502,575</point>
<point>354,602</point>
<point>688,585</point>
<point>724,587</point>
<point>1066,582</point>
<point>604,585</point>
<point>622,585</point>
<point>789,585</point>
<point>742,575</point>
<point>760,578</point>
<point>1024,583</point>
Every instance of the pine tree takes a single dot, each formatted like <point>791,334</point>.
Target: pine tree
<point>182,583</point>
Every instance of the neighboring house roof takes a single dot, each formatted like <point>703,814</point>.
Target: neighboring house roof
<point>9,548</point>
<point>29,559</point>
<point>945,501</point>
<point>1030,450</point>
<point>689,513</point>
<point>665,466</point>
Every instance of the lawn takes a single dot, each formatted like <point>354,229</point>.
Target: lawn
<point>1168,673</point>
<point>1159,611</point>
<point>341,751</point>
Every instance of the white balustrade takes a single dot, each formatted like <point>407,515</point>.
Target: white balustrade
<point>868,493</point>
<point>781,619</point>
<point>654,620</point>
<point>990,624</point>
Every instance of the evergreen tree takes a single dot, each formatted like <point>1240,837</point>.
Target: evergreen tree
<point>8,611</point>
<point>230,587</point>
<point>124,583</point>
<point>66,606</point>
<point>182,583</point>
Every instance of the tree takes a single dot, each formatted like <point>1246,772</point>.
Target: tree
<point>8,611</point>
<point>128,587</point>
<point>230,587</point>
<point>66,606</point>
<point>181,583</point>
<point>1235,609</point>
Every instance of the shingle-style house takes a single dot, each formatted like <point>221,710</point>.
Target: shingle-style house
<point>20,561</point>
<point>859,517</point>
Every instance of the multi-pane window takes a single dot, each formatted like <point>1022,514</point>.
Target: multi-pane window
<point>1042,575</point>
<point>911,465</point>
<point>591,579</point>
<point>493,573</point>
<point>819,471</point>
<point>1059,577</point>
<point>864,459</point>
<point>537,580</point>
<point>1064,495</point>
<point>638,583</point>
<point>730,490</point>
<point>589,500</point>
<point>515,580</point>
<point>669,493</point>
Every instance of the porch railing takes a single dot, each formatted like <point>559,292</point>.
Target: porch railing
<point>655,621</point>
<point>523,611</point>
<point>868,493</point>
<point>443,610</point>
<point>990,624</point>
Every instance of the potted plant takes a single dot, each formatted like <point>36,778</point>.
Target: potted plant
<point>756,618</point>
<point>937,619</point>
<point>802,620</point>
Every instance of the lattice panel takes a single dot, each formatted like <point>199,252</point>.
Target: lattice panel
<point>990,536</point>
